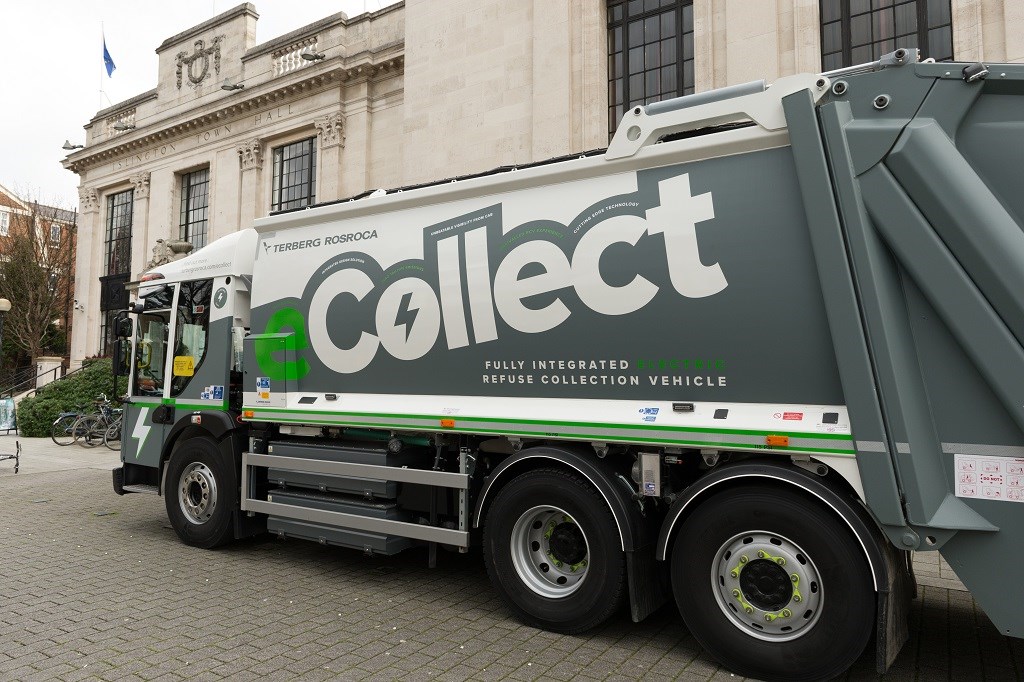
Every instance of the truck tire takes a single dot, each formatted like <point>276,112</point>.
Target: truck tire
<point>553,552</point>
<point>200,494</point>
<point>772,585</point>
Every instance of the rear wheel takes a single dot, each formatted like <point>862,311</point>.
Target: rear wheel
<point>61,432</point>
<point>774,586</point>
<point>200,494</point>
<point>553,552</point>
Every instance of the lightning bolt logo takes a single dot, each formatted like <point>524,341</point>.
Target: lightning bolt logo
<point>141,431</point>
<point>406,315</point>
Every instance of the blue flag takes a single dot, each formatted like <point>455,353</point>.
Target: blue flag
<point>107,60</point>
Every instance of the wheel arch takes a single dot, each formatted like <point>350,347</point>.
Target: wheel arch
<point>213,424</point>
<point>603,478</point>
<point>792,478</point>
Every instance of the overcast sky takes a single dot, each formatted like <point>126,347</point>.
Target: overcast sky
<point>54,66</point>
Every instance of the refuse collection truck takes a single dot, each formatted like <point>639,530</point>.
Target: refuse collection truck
<point>746,359</point>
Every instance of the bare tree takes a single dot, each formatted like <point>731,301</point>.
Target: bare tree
<point>37,257</point>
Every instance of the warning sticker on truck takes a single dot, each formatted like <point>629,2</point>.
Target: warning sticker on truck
<point>212,393</point>
<point>262,390</point>
<point>184,366</point>
<point>989,478</point>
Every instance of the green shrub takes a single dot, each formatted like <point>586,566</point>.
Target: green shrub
<point>36,414</point>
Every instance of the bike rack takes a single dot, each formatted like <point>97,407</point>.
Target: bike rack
<point>16,456</point>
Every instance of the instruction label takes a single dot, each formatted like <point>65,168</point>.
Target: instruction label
<point>263,387</point>
<point>212,393</point>
<point>266,396</point>
<point>184,366</point>
<point>989,478</point>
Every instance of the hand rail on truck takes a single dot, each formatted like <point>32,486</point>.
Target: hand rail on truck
<point>755,101</point>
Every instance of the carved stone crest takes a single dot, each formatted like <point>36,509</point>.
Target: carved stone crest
<point>141,182</point>
<point>89,199</point>
<point>250,154</point>
<point>331,128</point>
<point>197,64</point>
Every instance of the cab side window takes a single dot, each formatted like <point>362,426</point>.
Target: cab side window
<point>191,333</point>
<point>151,353</point>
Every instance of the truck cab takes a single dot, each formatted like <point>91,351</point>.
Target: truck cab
<point>185,350</point>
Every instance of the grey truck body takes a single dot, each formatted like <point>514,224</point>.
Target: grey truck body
<point>829,299</point>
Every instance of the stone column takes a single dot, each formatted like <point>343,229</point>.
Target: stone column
<point>751,41</point>
<point>1013,28</point>
<point>589,26</point>
<point>140,222</point>
<point>705,35</point>
<point>968,34</point>
<point>356,171</point>
<point>85,324</point>
<point>331,131</point>
<point>250,156</point>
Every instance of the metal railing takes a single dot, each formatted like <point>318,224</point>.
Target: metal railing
<point>13,380</point>
<point>28,380</point>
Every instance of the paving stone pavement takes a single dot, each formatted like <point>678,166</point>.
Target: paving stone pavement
<point>96,587</point>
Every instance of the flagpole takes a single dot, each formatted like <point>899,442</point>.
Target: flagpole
<point>103,42</point>
<point>108,66</point>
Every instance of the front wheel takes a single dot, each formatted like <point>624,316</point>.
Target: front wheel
<point>200,494</point>
<point>112,436</point>
<point>772,585</point>
<point>88,431</point>
<point>553,552</point>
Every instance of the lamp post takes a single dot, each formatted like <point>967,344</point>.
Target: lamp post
<point>5,306</point>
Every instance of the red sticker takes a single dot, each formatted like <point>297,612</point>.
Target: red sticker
<point>793,416</point>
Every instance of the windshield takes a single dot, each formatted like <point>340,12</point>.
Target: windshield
<point>150,353</point>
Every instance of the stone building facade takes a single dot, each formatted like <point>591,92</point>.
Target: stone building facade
<point>424,89</point>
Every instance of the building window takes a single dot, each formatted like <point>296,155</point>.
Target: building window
<point>195,202</point>
<point>861,31</point>
<point>118,250</point>
<point>650,53</point>
<point>107,333</point>
<point>119,233</point>
<point>55,233</point>
<point>5,223</point>
<point>294,175</point>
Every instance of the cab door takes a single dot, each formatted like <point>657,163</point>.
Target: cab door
<point>147,414</point>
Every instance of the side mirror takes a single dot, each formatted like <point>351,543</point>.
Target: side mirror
<point>120,362</point>
<point>125,328</point>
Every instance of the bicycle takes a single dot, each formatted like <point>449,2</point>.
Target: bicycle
<point>112,436</point>
<point>90,429</point>
<point>62,431</point>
